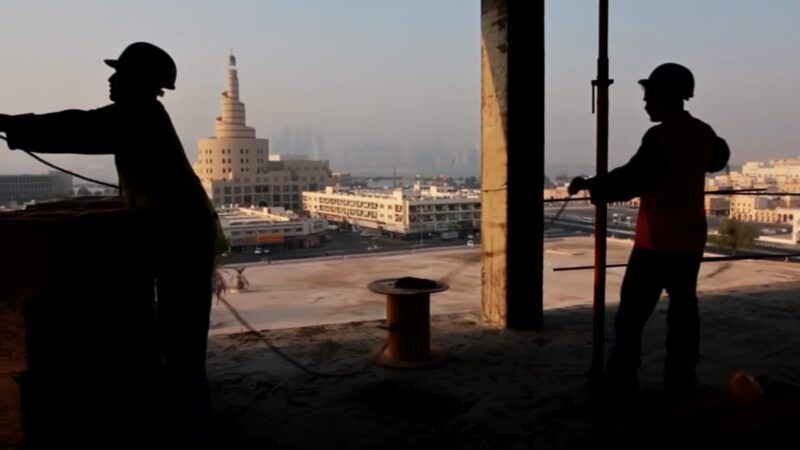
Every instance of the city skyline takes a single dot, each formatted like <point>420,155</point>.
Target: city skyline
<point>400,83</point>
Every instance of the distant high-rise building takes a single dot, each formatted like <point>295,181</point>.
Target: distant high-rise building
<point>236,167</point>
<point>24,188</point>
<point>474,161</point>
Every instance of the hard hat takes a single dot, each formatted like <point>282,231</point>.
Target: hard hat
<point>148,62</point>
<point>744,389</point>
<point>671,79</point>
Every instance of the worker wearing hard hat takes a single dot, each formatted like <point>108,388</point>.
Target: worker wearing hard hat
<point>668,174</point>
<point>156,180</point>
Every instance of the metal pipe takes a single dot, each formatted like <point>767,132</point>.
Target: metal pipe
<point>601,210</point>
<point>566,200</point>
<point>76,175</point>
<point>706,259</point>
<point>754,191</point>
<point>776,194</point>
<point>560,210</point>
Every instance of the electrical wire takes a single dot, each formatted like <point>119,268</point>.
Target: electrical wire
<point>61,169</point>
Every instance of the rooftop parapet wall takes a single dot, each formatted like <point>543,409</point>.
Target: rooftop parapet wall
<point>76,323</point>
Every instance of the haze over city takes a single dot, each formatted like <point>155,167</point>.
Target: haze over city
<point>374,85</point>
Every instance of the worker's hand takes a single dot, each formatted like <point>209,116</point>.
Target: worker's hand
<point>578,184</point>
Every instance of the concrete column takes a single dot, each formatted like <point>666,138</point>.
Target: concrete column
<point>512,161</point>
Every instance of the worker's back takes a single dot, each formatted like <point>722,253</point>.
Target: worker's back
<point>154,171</point>
<point>672,216</point>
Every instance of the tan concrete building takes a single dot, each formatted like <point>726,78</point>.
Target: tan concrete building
<point>445,212</point>
<point>562,192</point>
<point>773,171</point>
<point>776,215</point>
<point>236,167</point>
<point>766,209</point>
<point>728,181</point>
<point>557,192</point>
<point>248,228</point>
<point>744,207</point>
<point>717,205</point>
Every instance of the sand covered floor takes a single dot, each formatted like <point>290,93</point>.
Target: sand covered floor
<point>501,389</point>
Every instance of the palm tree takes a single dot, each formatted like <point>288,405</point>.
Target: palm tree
<point>734,235</point>
<point>241,281</point>
<point>219,287</point>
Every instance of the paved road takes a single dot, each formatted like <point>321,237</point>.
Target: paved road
<point>575,221</point>
<point>346,243</point>
<point>578,221</point>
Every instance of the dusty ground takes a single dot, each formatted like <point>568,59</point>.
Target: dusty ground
<point>294,294</point>
<point>498,389</point>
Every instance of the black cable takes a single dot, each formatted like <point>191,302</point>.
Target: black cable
<point>705,259</point>
<point>230,307</point>
<point>91,180</point>
<point>561,210</point>
<point>252,330</point>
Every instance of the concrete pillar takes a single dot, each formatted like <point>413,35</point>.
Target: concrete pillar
<point>512,161</point>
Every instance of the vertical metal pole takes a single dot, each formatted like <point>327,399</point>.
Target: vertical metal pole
<point>602,82</point>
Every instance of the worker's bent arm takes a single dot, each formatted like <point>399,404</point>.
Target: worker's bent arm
<point>643,172</point>
<point>719,156</point>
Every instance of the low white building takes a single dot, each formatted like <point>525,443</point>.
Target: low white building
<point>248,228</point>
<point>17,189</point>
<point>438,210</point>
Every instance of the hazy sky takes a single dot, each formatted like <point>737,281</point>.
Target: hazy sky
<point>744,55</point>
<point>403,72</point>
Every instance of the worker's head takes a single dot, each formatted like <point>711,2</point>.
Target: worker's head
<point>142,71</point>
<point>665,90</point>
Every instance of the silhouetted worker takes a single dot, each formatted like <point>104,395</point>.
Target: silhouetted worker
<point>157,181</point>
<point>668,174</point>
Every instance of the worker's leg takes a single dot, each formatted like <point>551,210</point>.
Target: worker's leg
<point>641,289</point>
<point>184,305</point>
<point>683,321</point>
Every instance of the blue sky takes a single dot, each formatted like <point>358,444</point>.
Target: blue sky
<point>398,73</point>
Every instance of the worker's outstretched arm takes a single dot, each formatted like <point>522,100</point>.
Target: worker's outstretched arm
<point>90,132</point>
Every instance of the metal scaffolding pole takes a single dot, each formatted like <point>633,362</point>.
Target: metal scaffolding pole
<point>600,228</point>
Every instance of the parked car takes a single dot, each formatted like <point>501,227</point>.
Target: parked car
<point>470,243</point>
